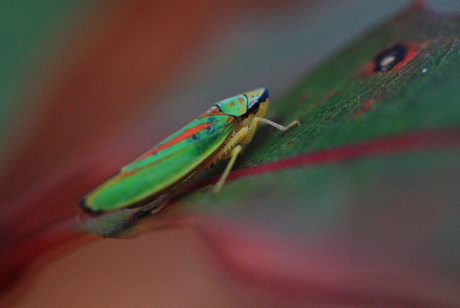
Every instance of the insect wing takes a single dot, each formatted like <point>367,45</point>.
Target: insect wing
<point>162,166</point>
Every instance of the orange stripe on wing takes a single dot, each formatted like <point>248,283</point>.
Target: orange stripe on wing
<point>188,133</point>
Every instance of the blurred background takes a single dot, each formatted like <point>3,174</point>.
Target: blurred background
<point>82,79</point>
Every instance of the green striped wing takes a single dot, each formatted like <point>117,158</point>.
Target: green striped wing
<point>162,166</point>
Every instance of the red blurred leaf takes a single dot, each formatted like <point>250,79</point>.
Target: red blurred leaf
<point>239,225</point>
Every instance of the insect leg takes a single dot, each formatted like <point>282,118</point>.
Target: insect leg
<point>278,126</point>
<point>233,154</point>
<point>152,207</point>
<point>244,136</point>
<point>255,123</point>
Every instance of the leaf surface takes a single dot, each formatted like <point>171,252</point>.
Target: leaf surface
<point>360,203</point>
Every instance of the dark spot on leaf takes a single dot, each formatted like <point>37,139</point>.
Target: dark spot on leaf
<point>393,58</point>
<point>389,58</point>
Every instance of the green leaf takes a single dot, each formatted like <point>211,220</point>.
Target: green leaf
<point>338,104</point>
<point>380,201</point>
<point>366,187</point>
<point>372,171</point>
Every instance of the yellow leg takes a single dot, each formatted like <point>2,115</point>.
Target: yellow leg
<point>255,123</point>
<point>278,126</point>
<point>233,154</point>
<point>244,136</point>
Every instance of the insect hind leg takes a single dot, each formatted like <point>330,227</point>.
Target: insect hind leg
<point>245,136</point>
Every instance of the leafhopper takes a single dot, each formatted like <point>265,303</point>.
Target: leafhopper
<point>217,134</point>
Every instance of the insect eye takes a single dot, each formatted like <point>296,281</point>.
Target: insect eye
<point>254,107</point>
<point>255,100</point>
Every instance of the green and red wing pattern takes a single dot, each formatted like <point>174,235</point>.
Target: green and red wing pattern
<point>162,166</point>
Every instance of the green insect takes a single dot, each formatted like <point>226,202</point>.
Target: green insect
<point>215,135</point>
